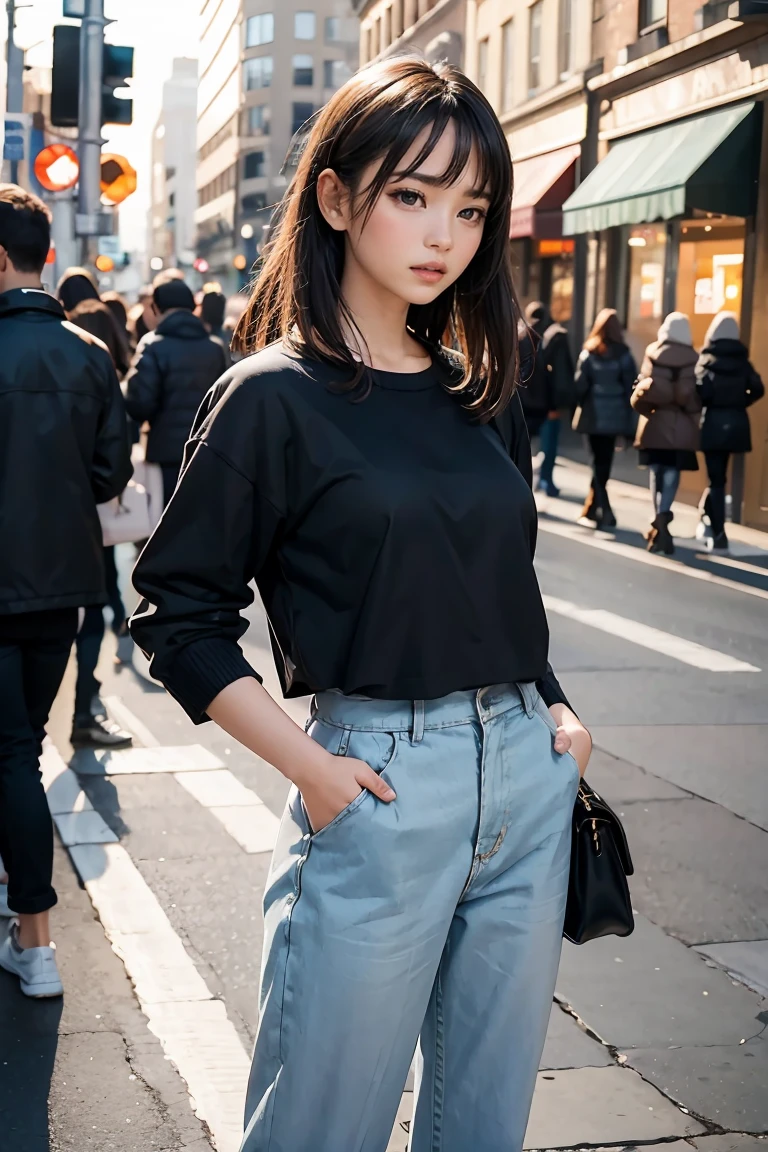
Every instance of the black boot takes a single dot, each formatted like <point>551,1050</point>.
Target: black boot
<point>660,537</point>
<point>605,516</point>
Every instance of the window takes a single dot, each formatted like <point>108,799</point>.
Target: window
<point>386,27</point>
<point>259,30</point>
<point>304,25</point>
<point>224,182</point>
<point>253,203</point>
<point>534,47</point>
<point>482,64</point>
<point>254,165</point>
<point>335,73</point>
<point>303,72</point>
<point>218,139</point>
<point>507,65</point>
<point>397,19</point>
<point>258,72</point>
<point>172,200</point>
<point>565,38</point>
<point>652,12</point>
<point>301,112</point>
<point>340,30</point>
<point>259,120</point>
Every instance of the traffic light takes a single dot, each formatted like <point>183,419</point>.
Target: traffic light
<point>65,77</point>
<point>118,67</point>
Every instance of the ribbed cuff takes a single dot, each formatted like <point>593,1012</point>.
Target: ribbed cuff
<point>203,669</point>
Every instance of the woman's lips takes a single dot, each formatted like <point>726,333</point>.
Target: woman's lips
<point>429,275</point>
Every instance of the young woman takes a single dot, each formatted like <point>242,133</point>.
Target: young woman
<point>668,432</point>
<point>728,385</point>
<point>378,490</point>
<point>605,374</point>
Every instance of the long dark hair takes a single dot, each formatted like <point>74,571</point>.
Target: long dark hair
<point>377,115</point>
<point>606,330</point>
<point>95,317</point>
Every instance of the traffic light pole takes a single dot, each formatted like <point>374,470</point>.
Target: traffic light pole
<point>87,220</point>
<point>14,95</point>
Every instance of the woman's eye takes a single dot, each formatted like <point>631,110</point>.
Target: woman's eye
<point>408,197</point>
<point>478,214</point>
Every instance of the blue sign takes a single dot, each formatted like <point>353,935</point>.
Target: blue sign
<point>14,137</point>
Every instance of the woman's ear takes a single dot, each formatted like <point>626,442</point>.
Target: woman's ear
<point>333,200</point>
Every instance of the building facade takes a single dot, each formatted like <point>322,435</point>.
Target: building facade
<point>435,30</point>
<point>265,69</point>
<point>174,158</point>
<point>675,212</point>
<point>531,60</point>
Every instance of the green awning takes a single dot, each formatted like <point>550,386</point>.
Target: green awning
<point>707,162</point>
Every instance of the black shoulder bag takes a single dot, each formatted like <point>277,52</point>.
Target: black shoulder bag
<point>598,894</point>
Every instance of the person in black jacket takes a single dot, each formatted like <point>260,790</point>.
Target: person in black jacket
<point>605,376</point>
<point>727,385</point>
<point>553,353</point>
<point>64,448</point>
<point>172,370</point>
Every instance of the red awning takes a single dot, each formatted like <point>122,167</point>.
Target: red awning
<point>542,185</point>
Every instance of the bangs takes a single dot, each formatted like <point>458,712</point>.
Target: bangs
<point>474,141</point>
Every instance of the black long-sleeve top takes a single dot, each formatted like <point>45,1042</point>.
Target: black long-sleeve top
<point>391,539</point>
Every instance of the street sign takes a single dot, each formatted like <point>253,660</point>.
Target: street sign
<point>110,246</point>
<point>118,177</point>
<point>15,133</point>
<point>56,167</point>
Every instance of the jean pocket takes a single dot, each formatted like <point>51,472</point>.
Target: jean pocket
<point>377,749</point>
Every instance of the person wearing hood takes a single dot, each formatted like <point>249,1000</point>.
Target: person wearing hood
<point>555,366</point>
<point>666,400</point>
<point>727,385</point>
<point>173,368</point>
<point>605,374</point>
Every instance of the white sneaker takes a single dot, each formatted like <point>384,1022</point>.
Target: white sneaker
<point>35,967</point>
<point>704,530</point>
<point>4,909</point>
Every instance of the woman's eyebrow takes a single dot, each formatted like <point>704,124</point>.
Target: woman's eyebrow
<point>438,182</point>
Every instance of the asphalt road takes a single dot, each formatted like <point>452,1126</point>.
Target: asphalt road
<point>656,1037</point>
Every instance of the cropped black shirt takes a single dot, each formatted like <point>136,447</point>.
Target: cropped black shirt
<point>391,539</point>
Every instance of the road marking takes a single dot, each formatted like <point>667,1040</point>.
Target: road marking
<point>120,712</point>
<point>147,761</point>
<point>192,1027</point>
<point>684,650</point>
<point>244,814</point>
<point>581,536</point>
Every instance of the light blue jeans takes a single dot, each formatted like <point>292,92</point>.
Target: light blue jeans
<point>434,921</point>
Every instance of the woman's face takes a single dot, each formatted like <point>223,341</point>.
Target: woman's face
<point>420,236</point>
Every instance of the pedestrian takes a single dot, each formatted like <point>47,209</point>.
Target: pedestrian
<point>377,487</point>
<point>727,385</point>
<point>536,393</point>
<point>555,353</point>
<point>173,368</point>
<point>141,317</point>
<point>63,448</point>
<point>212,310</point>
<point>77,287</point>
<point>119,309</point>
<point>666,400</point>
<point>605,375</point>
<point>92,725</point>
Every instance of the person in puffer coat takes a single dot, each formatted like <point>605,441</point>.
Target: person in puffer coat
<point>727,385</point>
<point>668,432</point>
<point>605,374</point>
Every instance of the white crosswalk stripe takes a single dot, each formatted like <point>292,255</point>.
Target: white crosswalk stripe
<point>686,651</point>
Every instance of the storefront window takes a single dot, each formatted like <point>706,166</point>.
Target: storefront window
<point>647,244</point>
<point>710,270</point>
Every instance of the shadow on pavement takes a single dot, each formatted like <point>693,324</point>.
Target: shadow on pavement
<point>28,1043</point>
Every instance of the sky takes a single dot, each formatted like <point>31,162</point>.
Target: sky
<point>159,30</point>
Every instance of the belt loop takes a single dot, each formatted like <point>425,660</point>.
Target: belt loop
<point>418,722</point>
<point>312,713</point>
<point>528,696</point>
<point>345,738</point>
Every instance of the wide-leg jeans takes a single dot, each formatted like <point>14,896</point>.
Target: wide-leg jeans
<point>432,923</point>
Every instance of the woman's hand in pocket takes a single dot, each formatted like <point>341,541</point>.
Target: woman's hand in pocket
<point>330,786</point>
<point>571,736</point>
